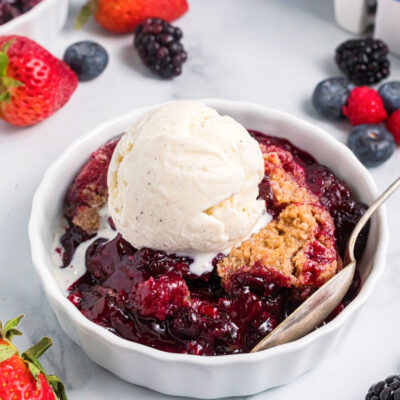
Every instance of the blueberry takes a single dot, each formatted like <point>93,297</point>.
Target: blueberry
<point>330,96</point>
<point>87,59</point>
<point>372,144</point>
<point>390,93</point>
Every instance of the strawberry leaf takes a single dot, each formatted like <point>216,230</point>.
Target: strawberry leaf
<point>10,82</point>
<point>31,356</point>
<point>13,332</point>
<point>6,352</point>
<point>3,64</point>
<point>5,97</point>
<point>6,46</point>
<point>35,352</point>
<point>9,328</point>
<point>57,386</point>
<point>86,12</point>
<point>34,370</point>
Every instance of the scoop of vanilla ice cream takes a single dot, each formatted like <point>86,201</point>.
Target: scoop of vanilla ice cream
<point>185,179</point>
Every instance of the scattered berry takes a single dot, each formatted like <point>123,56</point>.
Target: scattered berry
<point>372,144</point>
<point>364,106</point>
<point>159,46</point>
<point>393,125</point>
<point>10,9</point>
<point>37,84</point>
<point>389,389</point>
<point>87,59</point>
<point>390,93</point>
<point>21,376</point>
<point>330,96</point>
<point>363,61</point>
<point>122,16</point>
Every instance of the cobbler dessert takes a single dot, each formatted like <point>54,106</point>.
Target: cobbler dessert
<point>177,301</point>
<point>10,9</point>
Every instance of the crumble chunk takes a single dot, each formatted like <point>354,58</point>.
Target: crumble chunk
<point>88,192</point>
<point>287,246</point>
<point>298,247</point>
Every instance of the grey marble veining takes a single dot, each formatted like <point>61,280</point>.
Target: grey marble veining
<point>270,52</point>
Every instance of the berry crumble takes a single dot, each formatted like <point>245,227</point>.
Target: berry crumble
<point>151,297</point>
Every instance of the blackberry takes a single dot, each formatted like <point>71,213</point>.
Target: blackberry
<point>363,61</point>
<point>159,46</point>
<point>389,389</point>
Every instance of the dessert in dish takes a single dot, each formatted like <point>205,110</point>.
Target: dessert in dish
<point>194,295</point>
<point>10,9</point>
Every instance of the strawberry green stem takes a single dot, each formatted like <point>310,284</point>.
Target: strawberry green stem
<point>30,357</point>
<point>89,9</point>
<point>7,84</point>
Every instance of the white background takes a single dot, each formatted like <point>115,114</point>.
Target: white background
<point>271,52</point>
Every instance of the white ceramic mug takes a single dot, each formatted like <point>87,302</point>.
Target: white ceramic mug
<point>352,15</point>
<point>387,24</point>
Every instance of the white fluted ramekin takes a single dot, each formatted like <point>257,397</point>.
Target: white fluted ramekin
<point>41,23</point>
<point>189,375</point>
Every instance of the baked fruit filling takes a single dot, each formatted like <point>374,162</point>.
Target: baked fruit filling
<point>151,297</point>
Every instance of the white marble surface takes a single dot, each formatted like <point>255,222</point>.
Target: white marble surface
<point>270,52</point>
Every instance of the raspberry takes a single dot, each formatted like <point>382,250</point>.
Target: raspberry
<point>160,297</point>
<point>364,106</point>
<point>393,126</point>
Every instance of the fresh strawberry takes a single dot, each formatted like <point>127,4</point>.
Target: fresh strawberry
<point>22,376</point>
<point>122,16</point>
<point>33,83</point>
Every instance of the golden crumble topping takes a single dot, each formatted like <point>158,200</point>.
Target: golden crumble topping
<point>299,244</point>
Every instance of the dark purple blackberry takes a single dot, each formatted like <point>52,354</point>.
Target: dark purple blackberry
<point>389,389</point>
<point>159,46</point>
<point>363,61</point>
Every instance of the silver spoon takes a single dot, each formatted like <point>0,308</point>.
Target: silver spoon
<point>318,306</point>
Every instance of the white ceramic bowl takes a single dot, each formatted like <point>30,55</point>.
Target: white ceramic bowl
<point>41,23</point>
<point>189,375</point>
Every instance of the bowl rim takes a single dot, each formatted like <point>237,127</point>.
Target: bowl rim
<point>25,17</point>
<point>53,291</point>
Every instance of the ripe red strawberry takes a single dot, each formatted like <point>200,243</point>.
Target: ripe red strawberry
<point>364,106</point>
<point>122,16</point>
<point>33,83</point>
<point>393,126</point>
<point>22,376</point>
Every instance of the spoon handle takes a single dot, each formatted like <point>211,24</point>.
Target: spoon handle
<point>365,218</point>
